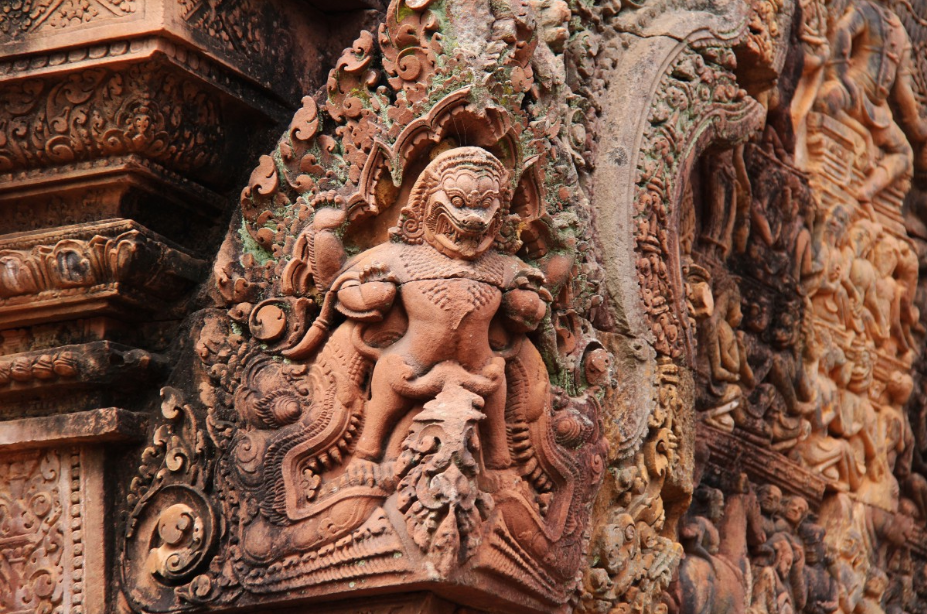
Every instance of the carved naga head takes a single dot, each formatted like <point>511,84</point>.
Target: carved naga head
<point>458,203</point>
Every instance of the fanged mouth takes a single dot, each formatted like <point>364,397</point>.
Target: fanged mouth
<point>463,236</point>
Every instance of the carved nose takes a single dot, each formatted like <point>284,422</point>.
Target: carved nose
<point>473,221</point>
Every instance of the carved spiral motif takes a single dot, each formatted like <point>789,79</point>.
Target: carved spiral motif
<point>169,544</point>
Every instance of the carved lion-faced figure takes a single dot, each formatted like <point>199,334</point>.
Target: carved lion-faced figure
<point>463,198</point>
<point>400,380</point>
<point>422,425</point>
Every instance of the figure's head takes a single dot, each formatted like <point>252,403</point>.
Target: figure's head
<point>812,535</point>
<point>458,203</point>
<point>900,386</point>
<point>850,546</point>
<point>836,225</point>
<point>876,583</point>
<point>770,499</point>
<point>794,510</point>
<point>735,315</point>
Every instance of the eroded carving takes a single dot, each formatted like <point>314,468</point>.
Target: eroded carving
<point>405,373</point>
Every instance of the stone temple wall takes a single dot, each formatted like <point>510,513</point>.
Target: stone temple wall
<point>532,306</point>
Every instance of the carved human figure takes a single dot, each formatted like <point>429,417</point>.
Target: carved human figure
<point>778,576</point>
<point>716,536</point>
<point>894,297</point>
<point>781,215</point>
<point>794,512</point>
<point>816,48</point>
<point>864,276</point>
<point>729,370</point>
<point>784,395</point>
<point>822,595</point>
<point>618,548</point>
<point>833,293</point>
<point>869,73</point>
<point>871,603</point>
<point>848,568</point>
<point>833,457</point>
<point>728,202</point>
<point>909,316</point>
<point>700,534</point>
<point>769,496</point>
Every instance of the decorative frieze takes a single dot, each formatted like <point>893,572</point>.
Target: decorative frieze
<point>89,269</point>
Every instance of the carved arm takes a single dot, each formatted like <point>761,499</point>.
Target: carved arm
<point>525,304</point>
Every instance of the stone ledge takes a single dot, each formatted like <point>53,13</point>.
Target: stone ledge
<point>89,269</point>
<point>99,425</point>
<point>97,363</point>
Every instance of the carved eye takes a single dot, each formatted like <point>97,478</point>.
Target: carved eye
<point>457,201</point>
<point>487,202</point>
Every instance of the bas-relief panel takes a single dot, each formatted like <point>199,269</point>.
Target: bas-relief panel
<point>41,532</point>
<point>415,369</point>
<point>806,358</point>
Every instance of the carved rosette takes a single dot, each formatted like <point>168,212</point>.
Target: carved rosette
<point>173,528</point>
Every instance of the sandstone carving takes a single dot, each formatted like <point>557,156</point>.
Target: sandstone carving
<point>535,306</point>
<point>415,383</point>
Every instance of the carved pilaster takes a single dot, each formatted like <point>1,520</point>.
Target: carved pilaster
<point>124,126</point>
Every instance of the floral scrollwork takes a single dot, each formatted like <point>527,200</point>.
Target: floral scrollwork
<point>173,530</point>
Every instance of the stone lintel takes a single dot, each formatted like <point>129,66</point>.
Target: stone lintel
<point>109,424</point>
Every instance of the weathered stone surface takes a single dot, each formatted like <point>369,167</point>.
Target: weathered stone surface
<point>535,306</point>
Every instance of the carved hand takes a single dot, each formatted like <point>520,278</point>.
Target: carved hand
<point>834,97</point>
<point>524,309</point>
<point>367,301</point>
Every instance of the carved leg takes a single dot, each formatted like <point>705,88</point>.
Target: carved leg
<point>495,443</point>
<point>383,410</point>
<point>898,162</point>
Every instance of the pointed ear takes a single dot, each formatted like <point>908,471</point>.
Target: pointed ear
<point>528,198</point>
